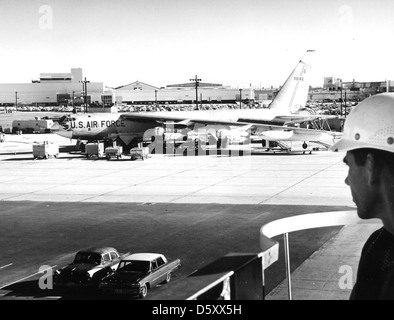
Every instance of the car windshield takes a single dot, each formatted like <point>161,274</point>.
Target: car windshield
<point>88,257</point>
<point>134,266</point>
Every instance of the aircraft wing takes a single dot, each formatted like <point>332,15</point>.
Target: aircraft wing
<point>284,133</point>
<point>177,120</point>
<point>293,119</point>
<point>260,129</point>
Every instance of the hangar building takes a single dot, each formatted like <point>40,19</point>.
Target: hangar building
<point>142,93</point>
<point>51,89</point>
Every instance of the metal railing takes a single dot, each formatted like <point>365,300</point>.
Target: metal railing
<point>235,276</point>
<point>302,222</point>
<point>241,276</point>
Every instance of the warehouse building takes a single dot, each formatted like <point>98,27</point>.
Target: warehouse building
<point>51,89</point>
<point>334,89</point>
<point>185,93</point>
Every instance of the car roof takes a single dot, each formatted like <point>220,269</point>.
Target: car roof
<point>100,250</point>
<point>142,256</point>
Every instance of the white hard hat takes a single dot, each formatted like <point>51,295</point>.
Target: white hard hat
<point>369,125</point>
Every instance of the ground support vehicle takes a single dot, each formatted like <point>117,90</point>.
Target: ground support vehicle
<point>32,126</point>
<point>45,150</point>
<point>139,153</point>
<point>139,272</point>
<point>113,152</point>
<point>94,150</point>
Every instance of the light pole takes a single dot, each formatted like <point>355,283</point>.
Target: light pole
<point>345,103</point>
<point>16,99</point>
<point>156,98</point>
<point>341,97</point>
<point>240,98</point>
<point>197,82</point>
<point>85,93</point>
<point>74,111</point>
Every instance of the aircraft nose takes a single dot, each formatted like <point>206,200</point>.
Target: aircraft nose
<point>59,129</point>
<point>65,134</point>
<point>55,127</point>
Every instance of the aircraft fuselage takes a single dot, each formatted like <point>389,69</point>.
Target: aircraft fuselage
<point>103,126</point>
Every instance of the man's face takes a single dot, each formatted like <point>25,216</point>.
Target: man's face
<point>363,193</point>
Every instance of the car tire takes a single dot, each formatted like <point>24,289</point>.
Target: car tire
<point>144,291</point>
<point>168,277</point>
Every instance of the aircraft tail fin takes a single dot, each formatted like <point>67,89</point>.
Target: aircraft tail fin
<point>294,93</point>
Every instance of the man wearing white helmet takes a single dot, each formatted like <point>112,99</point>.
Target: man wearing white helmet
<point>368,139</point>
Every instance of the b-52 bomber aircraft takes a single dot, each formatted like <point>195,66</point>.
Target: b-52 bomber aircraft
<point>278,122</point>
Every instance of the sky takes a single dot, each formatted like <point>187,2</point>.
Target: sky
<point>162,42</point>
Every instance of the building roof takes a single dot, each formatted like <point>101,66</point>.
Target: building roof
<point>137,85</point>
<point>193,85</point>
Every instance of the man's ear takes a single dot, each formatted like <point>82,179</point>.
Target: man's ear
<point>373,169</point>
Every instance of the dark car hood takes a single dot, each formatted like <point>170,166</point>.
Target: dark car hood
<point>78,268</point>
<point>125,276</point>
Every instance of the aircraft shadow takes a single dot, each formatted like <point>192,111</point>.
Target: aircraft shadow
<point>33,159</point>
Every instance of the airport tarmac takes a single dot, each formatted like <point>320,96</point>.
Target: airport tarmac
<point>284,179</point>
<point>196,208</point>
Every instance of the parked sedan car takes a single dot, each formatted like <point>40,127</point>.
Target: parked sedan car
<point>89,267</point>
<point>139,272</point>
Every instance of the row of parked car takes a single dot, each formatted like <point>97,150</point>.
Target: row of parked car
<point>107,270</point>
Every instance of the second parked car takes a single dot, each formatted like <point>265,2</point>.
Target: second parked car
<point>139,272</point>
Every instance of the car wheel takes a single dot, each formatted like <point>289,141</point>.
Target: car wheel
<point>144,291</point>
<point>168,277</point>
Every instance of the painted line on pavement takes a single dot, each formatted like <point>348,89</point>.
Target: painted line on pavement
<point>7,265</point>
<point>26,277</point>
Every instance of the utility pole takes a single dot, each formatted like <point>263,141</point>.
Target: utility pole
<point>16,99</point>
<point>85,93</point>
<point>197,82</point>
<point>345,103</point>
<point>341,97</point>
<point>74,111</point>
<point>240,98</point>
<point>156,98</point>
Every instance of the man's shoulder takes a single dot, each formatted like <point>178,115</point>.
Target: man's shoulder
<point>377,235</point>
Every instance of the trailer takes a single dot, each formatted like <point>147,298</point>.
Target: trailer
<point>45,150</point>
<point>113,152</point>
<point>94,150</point>
<point>141,153</point>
